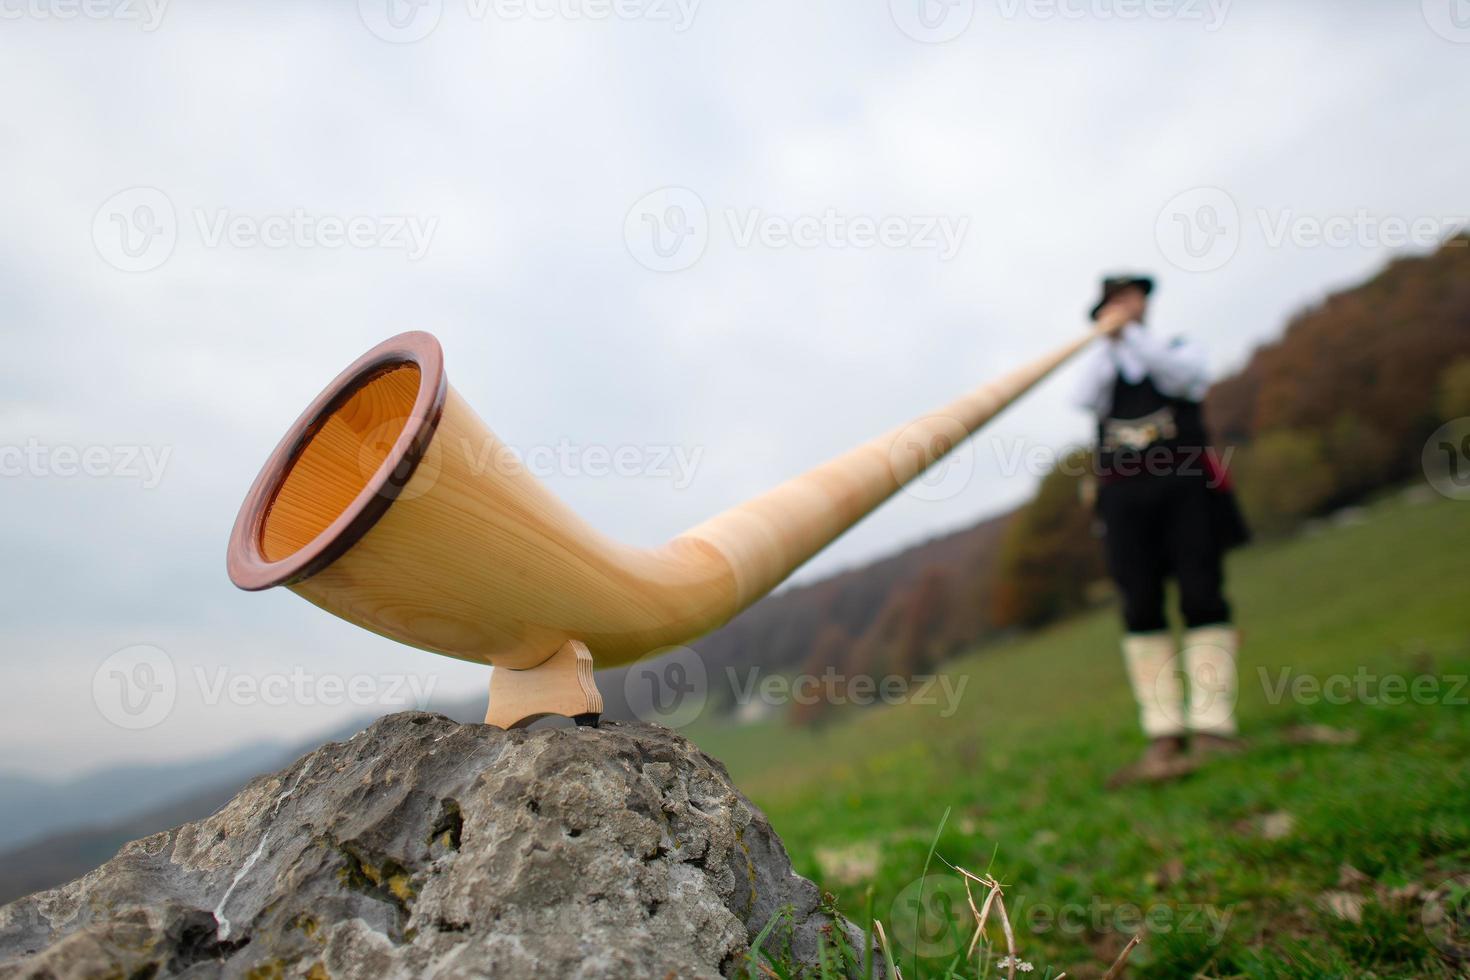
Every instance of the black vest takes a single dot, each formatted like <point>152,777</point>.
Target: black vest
<point>1177,446</point>
<point>1145,423</point>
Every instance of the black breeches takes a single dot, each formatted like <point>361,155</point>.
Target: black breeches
<point>1158,526</point>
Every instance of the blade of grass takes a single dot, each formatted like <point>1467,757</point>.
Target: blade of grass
<point>919,909</point>
<point>868,936</point>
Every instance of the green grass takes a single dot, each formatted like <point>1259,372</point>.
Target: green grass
<point>1230,873</point>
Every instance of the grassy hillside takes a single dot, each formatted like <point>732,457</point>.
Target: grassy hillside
<point>1319,853</point>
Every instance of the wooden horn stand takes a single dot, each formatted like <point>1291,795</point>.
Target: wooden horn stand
<point>390,504</point>
<point>563,685</point>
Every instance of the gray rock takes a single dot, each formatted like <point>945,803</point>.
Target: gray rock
<point>425,847</point>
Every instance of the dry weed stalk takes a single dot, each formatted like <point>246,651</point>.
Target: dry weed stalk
<point>994,898</point>
<point>1116,970</point>
<point>887,950</point>
<point>995,901</point>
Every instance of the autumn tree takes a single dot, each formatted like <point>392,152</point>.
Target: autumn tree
<point>1050,553</point>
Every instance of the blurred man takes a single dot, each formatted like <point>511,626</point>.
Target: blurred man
<point>1167,512</point>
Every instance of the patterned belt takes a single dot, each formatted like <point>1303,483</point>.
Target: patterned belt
<point>1140,433</point>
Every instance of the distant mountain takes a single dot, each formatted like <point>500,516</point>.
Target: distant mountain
<point>30,807</point>
<point>61,857</point>
<point>81,825</point>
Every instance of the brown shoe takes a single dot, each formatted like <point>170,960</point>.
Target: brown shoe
<point>1163,760</point>
<point>1206,744</point>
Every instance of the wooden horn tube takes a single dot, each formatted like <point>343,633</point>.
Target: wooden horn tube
<point>390,504</point>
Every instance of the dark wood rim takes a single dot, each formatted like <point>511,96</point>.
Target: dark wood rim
<point>248,567</point>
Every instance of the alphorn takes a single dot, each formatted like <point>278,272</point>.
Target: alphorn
<point>390,504</point>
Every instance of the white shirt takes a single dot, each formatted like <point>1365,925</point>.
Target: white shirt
<point>1177,368</point>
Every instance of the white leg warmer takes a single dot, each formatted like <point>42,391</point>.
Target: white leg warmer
<point>1209,662</point>
<point>1153,672</point>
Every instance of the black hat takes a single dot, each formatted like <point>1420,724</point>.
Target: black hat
<point>1113,285</point>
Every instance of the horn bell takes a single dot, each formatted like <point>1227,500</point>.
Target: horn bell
<point>389,503</point>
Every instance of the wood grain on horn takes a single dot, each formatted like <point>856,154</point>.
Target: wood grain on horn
<point>766,539</point>
<point>476,559</point>
<point>334,466</point>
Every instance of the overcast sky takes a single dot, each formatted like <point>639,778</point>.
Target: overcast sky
<point>738,237</point>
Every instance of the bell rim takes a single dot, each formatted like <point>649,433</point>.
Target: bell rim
<point>248,567</point>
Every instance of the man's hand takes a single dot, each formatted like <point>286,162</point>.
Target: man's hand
<point>1113,318</point>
